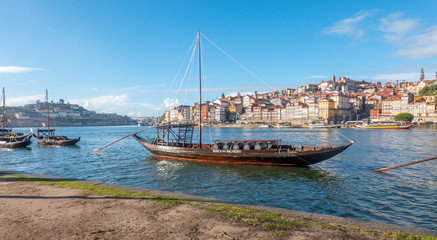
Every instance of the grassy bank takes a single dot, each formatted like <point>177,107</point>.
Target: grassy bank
<point>281,223</point>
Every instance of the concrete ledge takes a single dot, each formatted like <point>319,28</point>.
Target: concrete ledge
<point>315,216</point>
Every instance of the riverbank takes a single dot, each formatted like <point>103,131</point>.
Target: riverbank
<point>49,207</point>
<point>336,126</point>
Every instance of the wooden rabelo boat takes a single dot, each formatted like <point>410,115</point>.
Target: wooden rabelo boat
<point>8,138</point>
<point>176,141</point>
<point>49,136</point>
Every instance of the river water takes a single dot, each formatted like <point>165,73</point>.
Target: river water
<point>344,185</point>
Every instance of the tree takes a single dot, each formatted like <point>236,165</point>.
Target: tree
<point>428,90</point>
<point>404,117</point>
<point>61,101</point>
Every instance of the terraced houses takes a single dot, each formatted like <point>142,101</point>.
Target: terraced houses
<point>334,100</point>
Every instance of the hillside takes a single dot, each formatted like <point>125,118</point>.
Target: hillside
<point>61,114</point>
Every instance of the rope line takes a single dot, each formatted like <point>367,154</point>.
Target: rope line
<point>241,65</point>
<point>180,68</point>
<point>341,134</point>
<point>186,71</point>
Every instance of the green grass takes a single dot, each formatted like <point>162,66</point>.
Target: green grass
<point>252,217</point>
<point>101,191</point>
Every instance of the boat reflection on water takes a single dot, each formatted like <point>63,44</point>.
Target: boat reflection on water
<point>169,168</point>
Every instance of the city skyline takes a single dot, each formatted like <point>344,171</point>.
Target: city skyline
<point>123,57</point>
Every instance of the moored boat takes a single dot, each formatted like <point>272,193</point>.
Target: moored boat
<point>322,125</point>
<point>176,141</point>
<point>169,144</point>
<point>384,125</point>
<point>8,138</point>
<point>49,136</point>
<point>13,143</point>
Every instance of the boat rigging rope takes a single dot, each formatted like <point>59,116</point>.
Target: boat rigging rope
<point>341,134</point>
<point>241,65</point>
<point>180,68</point>
<point>186,71</point>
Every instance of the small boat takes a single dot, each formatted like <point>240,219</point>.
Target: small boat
<point>14,143</point>
<point>282,125</point>
<point>49,136</point>
<point>175,140</point>
<point>9,139</point>
<point>6,133</point>
<point>384,125</point>
<point>322,125</point>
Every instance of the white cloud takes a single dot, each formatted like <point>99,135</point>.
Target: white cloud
<point>395,24</point>
<point>19,101</point>
<point>350,27</point>
<point>397,76</point>
<point>171,102</point>
<point>109,104</point>
<point>407,35</point>
<point>15,69</point>
<point>412,40</point>
<point>411,77</point>
<point>317,77</point>
<point>423,45</point>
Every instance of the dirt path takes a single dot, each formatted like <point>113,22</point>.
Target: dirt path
<point>36,211</point>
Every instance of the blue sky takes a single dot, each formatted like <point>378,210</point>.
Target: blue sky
<point>122,56</point>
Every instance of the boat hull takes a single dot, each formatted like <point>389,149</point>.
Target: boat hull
<point>385,126</point>
<point>15,144</point>
<point>56,142</point>
<point>247,157</point>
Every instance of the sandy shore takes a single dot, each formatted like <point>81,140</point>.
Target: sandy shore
<point>31,210</point>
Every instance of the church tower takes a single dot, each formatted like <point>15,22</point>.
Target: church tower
<point>333,78</point>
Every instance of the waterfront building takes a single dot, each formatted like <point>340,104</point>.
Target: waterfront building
<point>220,113</point>
<point>279,113</point>
<point>420,108</point>
<point>406,99</point>
<point>246,100</point>
<point>327,109</point>
<point>313,111</point>
<point>374,114</point>
<point>430,99</point>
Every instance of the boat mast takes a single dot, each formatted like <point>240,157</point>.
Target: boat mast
<point>48,118</point>
<point>200,94</point>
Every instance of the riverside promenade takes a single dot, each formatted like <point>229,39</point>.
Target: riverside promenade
<point>37,206</point>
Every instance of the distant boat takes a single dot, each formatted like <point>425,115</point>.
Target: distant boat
<point>283,125</point>
<point>9,139</point>
<point>322,125</point>
<point>176,141</point>
<point>49,136</point>
<point>384,125</point>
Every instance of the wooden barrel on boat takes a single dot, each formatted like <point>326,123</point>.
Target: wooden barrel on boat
<point>238,146</point>
<point>260,146</point>
<point>228,146</point>
<point>248,146</point>
<point>218,145</point>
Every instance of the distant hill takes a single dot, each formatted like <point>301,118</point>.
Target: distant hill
<point>61,114</point>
